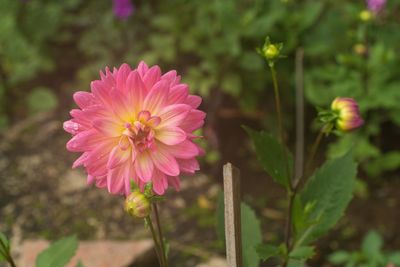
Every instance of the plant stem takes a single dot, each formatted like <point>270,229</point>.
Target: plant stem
<point>156,244</point>
<point>290,188</point>
<point>279,119</point>
<point>7,254</point>
<point>314,148</point>
<point>160,233</point>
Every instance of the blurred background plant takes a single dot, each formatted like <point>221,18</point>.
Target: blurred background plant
<point>50,48</point>
<point>213,45</point>
<point>371,254</point>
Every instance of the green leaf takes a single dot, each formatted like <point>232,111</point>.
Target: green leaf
<point>339,257</point>
<point>6,251</point>
<point>251,236</point>
<point>272,156</point>
<point>302,253</point>
<point>266,251</point>
<point>59,253</point>
<point>372,243</point>
<point>251,231</point>
<point>327,193</point>
<point>371,247</point>
<point>80,264</point>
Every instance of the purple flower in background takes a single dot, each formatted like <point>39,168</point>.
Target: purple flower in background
<point>376,6</point>
<point>123,8</point>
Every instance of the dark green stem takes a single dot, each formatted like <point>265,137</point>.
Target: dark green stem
<point>280,125</point>
<point>156,244</point>
<point>160,233</point>
<point>7,254</point>
<point>290,188</point>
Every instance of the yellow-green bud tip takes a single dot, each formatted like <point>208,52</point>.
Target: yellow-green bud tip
<point>137,205</point>
<point>365,15</point>
<point>271,51</point>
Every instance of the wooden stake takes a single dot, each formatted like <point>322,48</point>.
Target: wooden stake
<point>232,215</point>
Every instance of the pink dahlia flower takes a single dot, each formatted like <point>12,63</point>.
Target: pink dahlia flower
<point>136,125</point>
<point>376,6</point>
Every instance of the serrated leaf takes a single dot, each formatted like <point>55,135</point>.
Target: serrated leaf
<point>266,251</point>
<point>330,189</point>
<point>302,253</point>
<point>251,231</point>
<point>59,253</point>
<point>271,155</point>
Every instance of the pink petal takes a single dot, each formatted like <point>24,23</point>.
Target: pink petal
<point>170,76</point>
<point>116,180</point>
<point>142,68</point>
<point>71,127</point>
<point>84,99</point>
<point>108,127</point>
<point>136,91</point>
<point>184,150</point>
<point>170,135</point>
<point>188,166</point>
<point>144,166</point>
<point>151,77</point>
<point>118,157</point>
<point>174,115</point>
<point>178,94</point>
<point>160,183</point>
<point>101,182</point>
<point>164,161</point>
<point>175,182</point>
<point>157,97</point>
<point>121,106</point>
<point>122,76</point>
<point>101,92</point>
<point>90,179</point>
<point>193,100</point>
<point>144,115</point>
<point>84,141</point>
<point>193,121</point>
<point>80,161</point>
<point>154,121</point>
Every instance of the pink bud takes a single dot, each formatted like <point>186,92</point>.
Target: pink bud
<point>348,114</point>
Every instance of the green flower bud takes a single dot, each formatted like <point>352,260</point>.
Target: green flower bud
<point>271,52</point>
<point>137,205</point>
<point>365,15</point>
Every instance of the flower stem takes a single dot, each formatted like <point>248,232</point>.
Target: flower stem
<point>324,130</point>
<point>279,119</point>
<point>7,254</point>
<point>156,244</point>
<point>160,233</point>
<point>290,188</point>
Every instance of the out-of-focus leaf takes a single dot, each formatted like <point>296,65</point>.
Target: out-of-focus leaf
<point>59,253</point>
<point>42,99</point>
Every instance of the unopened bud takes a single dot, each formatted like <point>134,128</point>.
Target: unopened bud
<point>347,112</point>
<point>137,205</point>
<point>270,51</point>
<point>365,15</point>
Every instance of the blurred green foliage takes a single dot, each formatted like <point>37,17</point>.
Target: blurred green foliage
<point>371,254</point>
<point>213,44</point>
